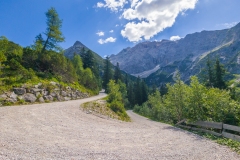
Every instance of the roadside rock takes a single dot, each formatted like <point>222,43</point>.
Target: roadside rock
<point>48,98</point>
<point>41,100</point>
<point>3,96</point>
<point>67,98</point>
<point>19,91</point>
<point>35,90</point>
<point>53,94</point>
<point>13,96</point>
<point>63,93</point>
<point>29,97</point>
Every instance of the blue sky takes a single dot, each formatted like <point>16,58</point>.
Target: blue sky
<point>108,26</point>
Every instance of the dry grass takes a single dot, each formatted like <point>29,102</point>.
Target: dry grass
<point>99,108</point>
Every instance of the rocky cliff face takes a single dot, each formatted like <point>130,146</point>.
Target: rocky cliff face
<point>187,54</point>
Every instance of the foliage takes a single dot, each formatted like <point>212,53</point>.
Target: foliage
<point>215,74</point>
<point>219,73</point>
<point>100,108</point>
<point>115,99</point>
<point>53,32</point>
<point>41,62</point>
<point>194,102</point>
<point>117,73</point>
<point>176,98</point>
<point>108,75</point>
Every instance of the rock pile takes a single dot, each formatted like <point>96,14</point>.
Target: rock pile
<point>40,93</point>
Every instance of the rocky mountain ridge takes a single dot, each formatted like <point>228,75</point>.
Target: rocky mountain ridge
<point>187,54</point>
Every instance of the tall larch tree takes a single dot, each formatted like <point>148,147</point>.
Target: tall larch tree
<point>53,31</point>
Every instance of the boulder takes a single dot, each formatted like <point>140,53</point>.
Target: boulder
<point>3,96</point>
<point>60,98</point>
<point>37,94</point>
<point>41,100</point>
<point>48,98</point>
<point>78,93</point>
<point>74,96</point>
<point>63,93</point>
<point>19,91</point>
<point>11,100</point>
<point>35,90</point>
<point>53,94</point>
<point>38,85</point>
<point>67,98</point>
<point>13,96</point>
<point>44,92</point>
<point>29,97</point>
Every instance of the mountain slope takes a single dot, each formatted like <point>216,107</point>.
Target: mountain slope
<point>79,48</point>
<point>187,54</point>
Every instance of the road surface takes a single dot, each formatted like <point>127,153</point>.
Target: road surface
<point>62,130</point>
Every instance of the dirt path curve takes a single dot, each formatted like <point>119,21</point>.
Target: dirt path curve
<point>62,131</point>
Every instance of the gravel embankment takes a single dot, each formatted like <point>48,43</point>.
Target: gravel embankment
<point>63,131</point>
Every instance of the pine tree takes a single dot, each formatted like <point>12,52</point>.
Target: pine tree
<point>219,73</point>
<point>144,92</point>
<point>138,92</point>
<point>88,60</point>
<point>210,75</point>
<point>117,73</point>
<point>163,89</point>
<point>130,94</point>
<point>107,76</point>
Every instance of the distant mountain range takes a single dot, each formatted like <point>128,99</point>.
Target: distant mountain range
<point>158,61</point>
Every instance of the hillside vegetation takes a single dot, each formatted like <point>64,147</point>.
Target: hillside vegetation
<point>43,62</point>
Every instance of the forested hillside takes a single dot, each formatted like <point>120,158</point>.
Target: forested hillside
<point>43,63</point>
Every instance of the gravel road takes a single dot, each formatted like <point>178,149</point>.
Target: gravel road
<point>63,131</point>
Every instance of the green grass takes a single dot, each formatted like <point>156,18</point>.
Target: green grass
<point>100,107</point>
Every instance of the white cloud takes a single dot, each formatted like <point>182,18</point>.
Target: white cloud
<point>174,38</point>
<point>100,4</point>
<point>149,17</point>
<point>228,25</point>
<point>100,33</point>
<point>116,25</point>
<point>110,39</point>
<point>111,31</point>
<point>114,5</point>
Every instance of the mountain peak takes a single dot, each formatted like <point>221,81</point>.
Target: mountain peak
<point>78,43</point>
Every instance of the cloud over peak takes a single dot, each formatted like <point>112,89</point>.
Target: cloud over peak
<point>110,39</point>
<point>152,17</point>
<point>174,38</point>
<point>146,18</point>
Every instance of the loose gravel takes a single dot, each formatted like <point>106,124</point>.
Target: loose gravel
<point>62,130</point>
